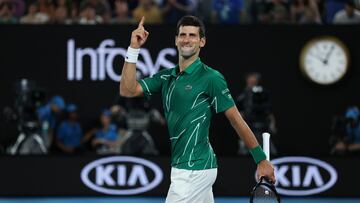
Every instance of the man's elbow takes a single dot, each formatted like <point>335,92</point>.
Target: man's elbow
<point>130,92</point>
<point>125,93</point>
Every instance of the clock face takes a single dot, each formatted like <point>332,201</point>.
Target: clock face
<point>325,60</point>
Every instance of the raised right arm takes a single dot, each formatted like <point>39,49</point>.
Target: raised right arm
<point>129,86</point>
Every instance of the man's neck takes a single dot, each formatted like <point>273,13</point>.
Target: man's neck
<point>186,62</point>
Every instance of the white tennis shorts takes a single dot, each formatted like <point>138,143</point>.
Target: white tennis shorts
<point>191,186</point>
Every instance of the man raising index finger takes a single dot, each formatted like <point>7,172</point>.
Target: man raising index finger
<point>129,87</point>
<point>192,93</point>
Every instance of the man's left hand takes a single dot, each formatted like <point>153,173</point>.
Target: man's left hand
<point>265,168</point>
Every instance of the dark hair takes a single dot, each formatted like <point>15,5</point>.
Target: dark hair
<point>256,74</point>
<point>350,3</point>
<point>191,21</point>
<point>7,4</point>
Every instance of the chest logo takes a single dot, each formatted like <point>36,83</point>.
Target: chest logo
<point>188,87</point>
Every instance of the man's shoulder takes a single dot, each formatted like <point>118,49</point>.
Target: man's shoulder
<point>166,71</point>
<point>44,109</point>
<point>162,73</point>
<point>211,72</point>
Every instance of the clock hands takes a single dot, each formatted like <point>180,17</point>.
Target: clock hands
<point>325,61</point>
<point>317,57</point>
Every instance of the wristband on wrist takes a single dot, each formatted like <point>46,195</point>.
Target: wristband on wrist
<point>132,55</point>
<point>258,154</point>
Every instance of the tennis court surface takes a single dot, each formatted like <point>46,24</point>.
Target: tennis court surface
<point>161,200</point>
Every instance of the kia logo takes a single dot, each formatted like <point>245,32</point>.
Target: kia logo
<point>301,176</point>
<point>121,175</point>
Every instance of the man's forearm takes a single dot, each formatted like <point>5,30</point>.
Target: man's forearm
<point>128,81</point>
<point>241,128</point>
<point>129,87</point>
<point>244,132</point>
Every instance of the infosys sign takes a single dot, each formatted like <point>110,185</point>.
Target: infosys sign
<point>121,175</point>
<point>302,176</point>
<point>101,65</point>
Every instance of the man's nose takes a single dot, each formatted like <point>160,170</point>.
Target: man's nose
<point>186,38</point>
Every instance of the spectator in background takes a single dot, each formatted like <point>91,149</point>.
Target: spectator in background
<point>32,17</point>
<point>62,12</point>
<point>61,16</point>
<point>132,4</point>
<point>69,134</point>
<point>49,116</point>
<point>204,10</point>
<point>150,10</point>
<point>257,11</point>
<point>66,4</point>
<point>51,111</point>
<point>88,16</point>
<point>46,9</point>
<point>278,12</point>
<point>305,12</point>
<point>176,9</point>
<point>269,11</point>
<point>19,8</point>
<point>7,12</point>
<point>351,142</point>
<point>254,105</point>
<point>227,11</point>
<point>348,15</point>
<point>74,13</point>
<point>101,8</point>
<point>105,137</point>
<point>122,13</point>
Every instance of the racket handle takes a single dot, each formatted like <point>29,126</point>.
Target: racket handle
<point>266,144</point>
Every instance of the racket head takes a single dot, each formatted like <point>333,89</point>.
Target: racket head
<point>264,192</point>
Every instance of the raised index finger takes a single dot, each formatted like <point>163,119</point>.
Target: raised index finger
<point>141,23</point>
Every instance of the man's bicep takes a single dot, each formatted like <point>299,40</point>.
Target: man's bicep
<point>231,113</point>
<point>235,118</point>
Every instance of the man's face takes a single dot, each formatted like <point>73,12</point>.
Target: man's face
<point>252,80</point>
<point>73,116</point>
<point>349,10</point>
<point>55,108</point>
<point>188,41</point>
<point>105,120</point>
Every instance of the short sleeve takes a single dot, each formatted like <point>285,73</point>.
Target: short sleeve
<point>219,93</point>
<point>151,85</point>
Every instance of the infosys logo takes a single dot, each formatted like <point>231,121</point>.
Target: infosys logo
<point>302,176</point>
<point>100,61</point>
<point>121,175</point>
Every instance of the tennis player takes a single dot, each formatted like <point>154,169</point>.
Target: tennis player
<point>192,93</point>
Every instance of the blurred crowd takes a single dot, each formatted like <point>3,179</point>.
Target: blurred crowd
<point>52,125</point>
<point>345,132</point>
<point>169,11</point>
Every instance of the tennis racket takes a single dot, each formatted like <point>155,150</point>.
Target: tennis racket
<point>264,191</point>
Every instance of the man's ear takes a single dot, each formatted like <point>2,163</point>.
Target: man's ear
<point>175,40</point>
<point>202,42</point>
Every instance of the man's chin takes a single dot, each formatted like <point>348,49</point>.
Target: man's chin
<point>187,55</point>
